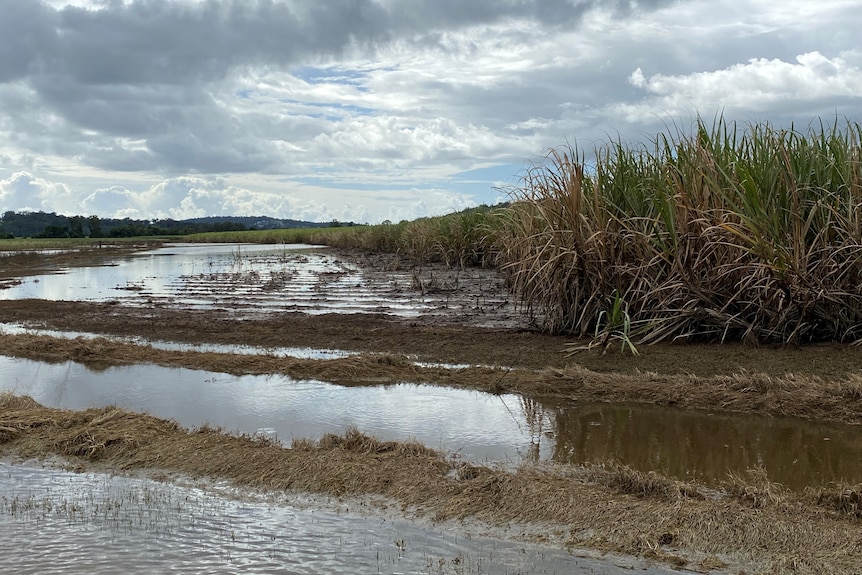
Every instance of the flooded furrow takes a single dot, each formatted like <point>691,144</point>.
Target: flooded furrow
<point>256,278</point>
<point>55,521</point>
<point>296,352</point>
<point>476,426</point>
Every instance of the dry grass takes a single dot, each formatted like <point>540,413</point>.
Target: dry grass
<point>642,484</point>
<point>756,489</point>
<point>846,499</point>
<point>611,509</point>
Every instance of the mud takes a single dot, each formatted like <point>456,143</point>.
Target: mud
<point>480,325</point>
<point>449,339</point>
<point>808,397</point>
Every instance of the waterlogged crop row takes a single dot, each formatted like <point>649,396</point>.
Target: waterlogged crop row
<point>726,233</point>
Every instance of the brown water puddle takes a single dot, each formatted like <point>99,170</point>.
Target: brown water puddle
<point>477,426</point>
<point>707,446</point>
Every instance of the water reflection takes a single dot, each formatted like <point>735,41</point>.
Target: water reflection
<point>290,277</point>
<point>691,444</point>
<point>477,426</point>
<point>237,349</point>
<point>54,521</point>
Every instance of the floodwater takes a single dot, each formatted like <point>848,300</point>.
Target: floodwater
<point>489,427</point>
<point>707,446</point>
<point>54,521</point>
<point>476,426</point>
<point>58,522</point>
<point>295,352</point>
<point>244,277</point>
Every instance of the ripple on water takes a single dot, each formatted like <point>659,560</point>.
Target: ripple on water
<point>55,521</point>
<point>245,278</point>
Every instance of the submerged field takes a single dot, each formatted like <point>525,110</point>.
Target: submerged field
<point>663,343</point>
<point>748,522</point>
<point>449,329</point>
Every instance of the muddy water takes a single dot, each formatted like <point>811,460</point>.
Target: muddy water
<point>54,521</point>
<point>477,426</point>
<point>297,352</point>
<point>247,277</point>
<point>704,446</point>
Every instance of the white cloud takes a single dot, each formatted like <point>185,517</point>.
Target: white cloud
<point>191,197</point>
<point>759,85</point>
<point>371,109</point>
<point>23,192</point>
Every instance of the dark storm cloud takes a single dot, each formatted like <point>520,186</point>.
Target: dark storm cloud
<point>27,32</point>
<point>178,42</point>
<point>78,79</point>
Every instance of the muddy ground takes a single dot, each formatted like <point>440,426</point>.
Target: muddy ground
<point>747,526</point>
<point>479,323</point>
<point>433,339</point>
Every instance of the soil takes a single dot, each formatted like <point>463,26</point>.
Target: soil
<point>751,523</point>
<point>456,338</point>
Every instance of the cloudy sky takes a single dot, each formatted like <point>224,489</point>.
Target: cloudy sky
<point>367,110</point>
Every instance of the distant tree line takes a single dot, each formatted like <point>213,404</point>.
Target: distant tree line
<point>52,225</point>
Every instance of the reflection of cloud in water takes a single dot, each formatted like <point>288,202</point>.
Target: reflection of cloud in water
<point>478,426</point>
<point>253,277</point>
<point>59,521</point>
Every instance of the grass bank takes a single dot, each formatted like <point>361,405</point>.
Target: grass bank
<point>748,525</point>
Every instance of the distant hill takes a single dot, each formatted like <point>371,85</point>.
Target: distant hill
<point>258,222</point>
<point>51,225</point>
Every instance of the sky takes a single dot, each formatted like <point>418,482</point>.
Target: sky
<point>373,110</point>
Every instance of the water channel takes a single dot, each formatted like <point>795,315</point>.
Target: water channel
<point>55,522</point>
<point>476,426</point>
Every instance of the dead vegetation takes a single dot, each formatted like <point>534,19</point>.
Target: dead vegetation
<point>747,524</point>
